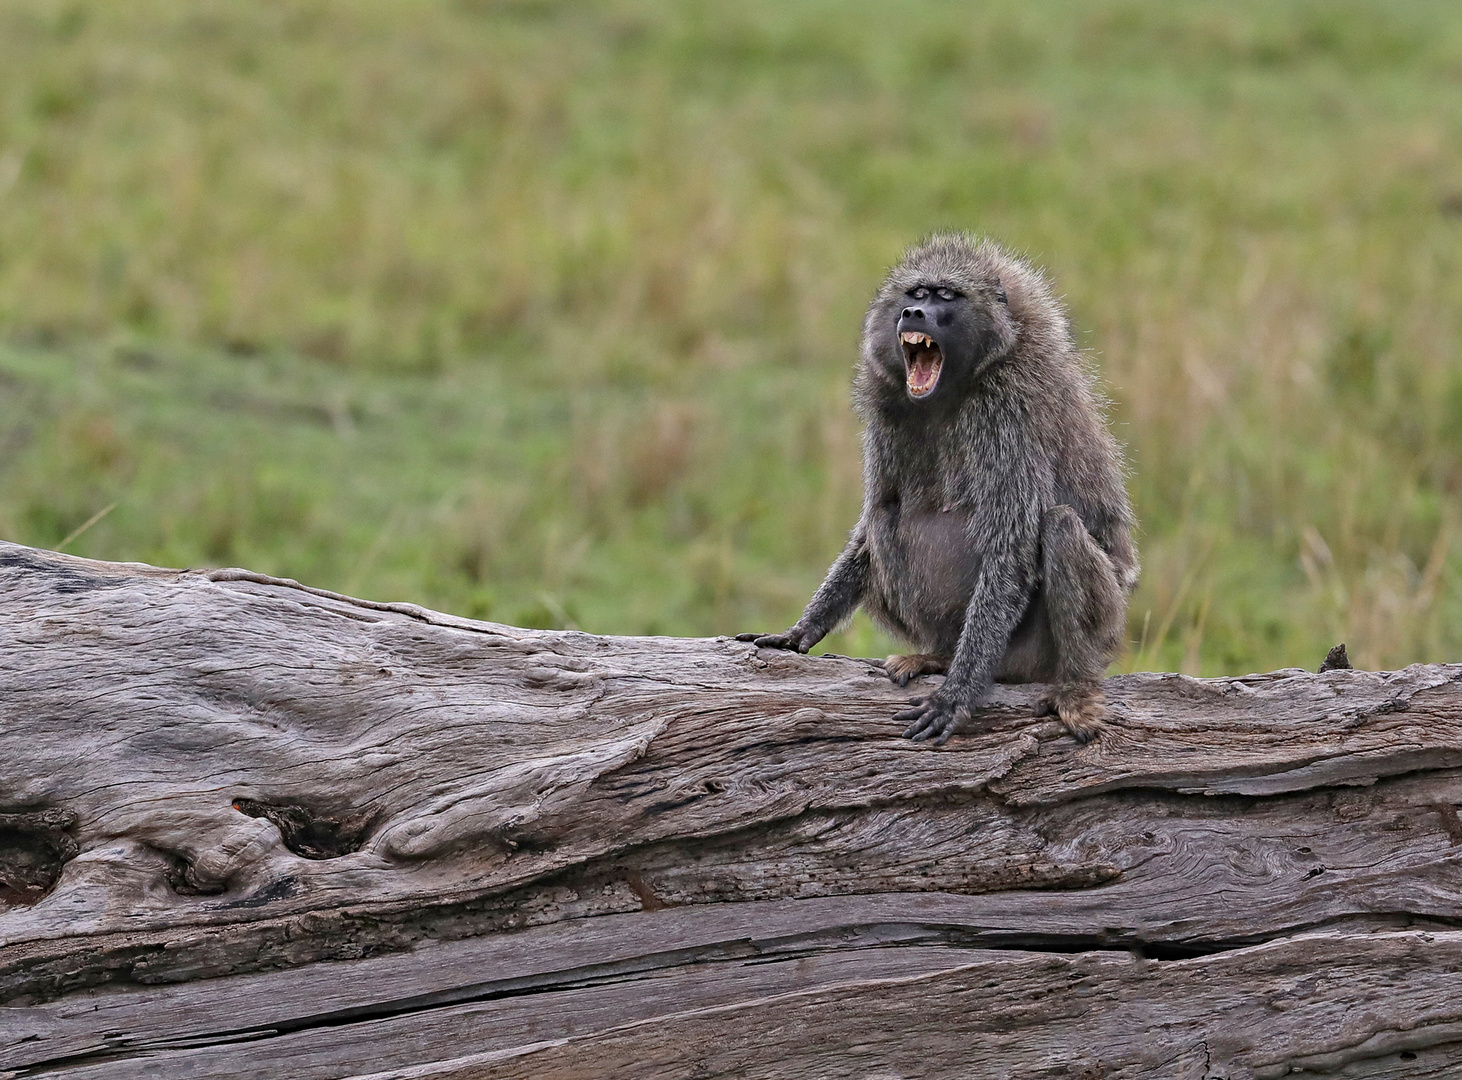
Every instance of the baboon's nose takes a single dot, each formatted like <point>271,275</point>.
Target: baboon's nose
<point>913,313</point>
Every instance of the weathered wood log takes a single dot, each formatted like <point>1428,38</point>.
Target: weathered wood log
<point>249,828</point>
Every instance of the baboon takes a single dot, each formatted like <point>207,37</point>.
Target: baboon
<point>996,534</point>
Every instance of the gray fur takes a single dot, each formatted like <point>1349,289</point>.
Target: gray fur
<point>996,533</point>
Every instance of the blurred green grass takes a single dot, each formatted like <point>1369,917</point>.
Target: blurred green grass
<point>545,312</point>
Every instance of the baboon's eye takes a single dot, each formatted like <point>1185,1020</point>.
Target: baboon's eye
<point>947,294</point>
<point>919,293</point>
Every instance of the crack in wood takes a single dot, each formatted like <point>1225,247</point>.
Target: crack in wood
<point>1450,821</point>
<point>849,940</point>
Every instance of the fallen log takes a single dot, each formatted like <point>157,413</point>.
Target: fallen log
<point>250,828</point>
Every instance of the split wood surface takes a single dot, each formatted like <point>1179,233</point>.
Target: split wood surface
<point>252,829</point>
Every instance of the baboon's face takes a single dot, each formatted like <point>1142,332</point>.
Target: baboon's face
<point>944,336</point>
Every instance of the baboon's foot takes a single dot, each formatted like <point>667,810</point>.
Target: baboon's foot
<point>903,668</point>
<point>1081,707</point>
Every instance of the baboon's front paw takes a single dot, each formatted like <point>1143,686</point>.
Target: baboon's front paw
<point>934,718</point>
<point>903,668</point>
<point>1083,712</point>
<point>794,638</point>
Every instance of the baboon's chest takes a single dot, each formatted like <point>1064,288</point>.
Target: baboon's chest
<point>924,559</point>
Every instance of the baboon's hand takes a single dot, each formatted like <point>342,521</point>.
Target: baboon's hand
<point>797,638</point>
<point>935,718</point>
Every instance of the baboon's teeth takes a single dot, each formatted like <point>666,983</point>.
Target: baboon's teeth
<point>922,360</point>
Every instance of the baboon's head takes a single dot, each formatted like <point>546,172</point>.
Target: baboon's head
<point>941,318</point>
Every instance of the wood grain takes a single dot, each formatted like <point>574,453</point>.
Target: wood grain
<point>283,825</point>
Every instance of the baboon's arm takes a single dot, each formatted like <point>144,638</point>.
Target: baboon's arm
<point>1010,547</point>
<point>841,591</point>
<point>835,599</point>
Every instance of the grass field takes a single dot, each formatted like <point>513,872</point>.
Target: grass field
<point>545,312</point>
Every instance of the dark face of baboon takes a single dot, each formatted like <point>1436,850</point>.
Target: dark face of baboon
<point>936,335</point>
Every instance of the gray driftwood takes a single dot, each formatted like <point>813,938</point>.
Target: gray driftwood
<point>252,829</point>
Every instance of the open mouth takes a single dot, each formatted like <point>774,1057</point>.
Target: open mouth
<point>922,361</point>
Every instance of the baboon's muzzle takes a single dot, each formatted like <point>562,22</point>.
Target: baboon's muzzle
<point>923,357</point>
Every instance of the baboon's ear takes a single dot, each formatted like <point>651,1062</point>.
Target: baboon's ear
<point>1000,293</point>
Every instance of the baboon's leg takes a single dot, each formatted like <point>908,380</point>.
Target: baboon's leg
<point>902,668</point>
<point>1088,610</point>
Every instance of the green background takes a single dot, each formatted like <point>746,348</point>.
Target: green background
<point>545,312</point>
